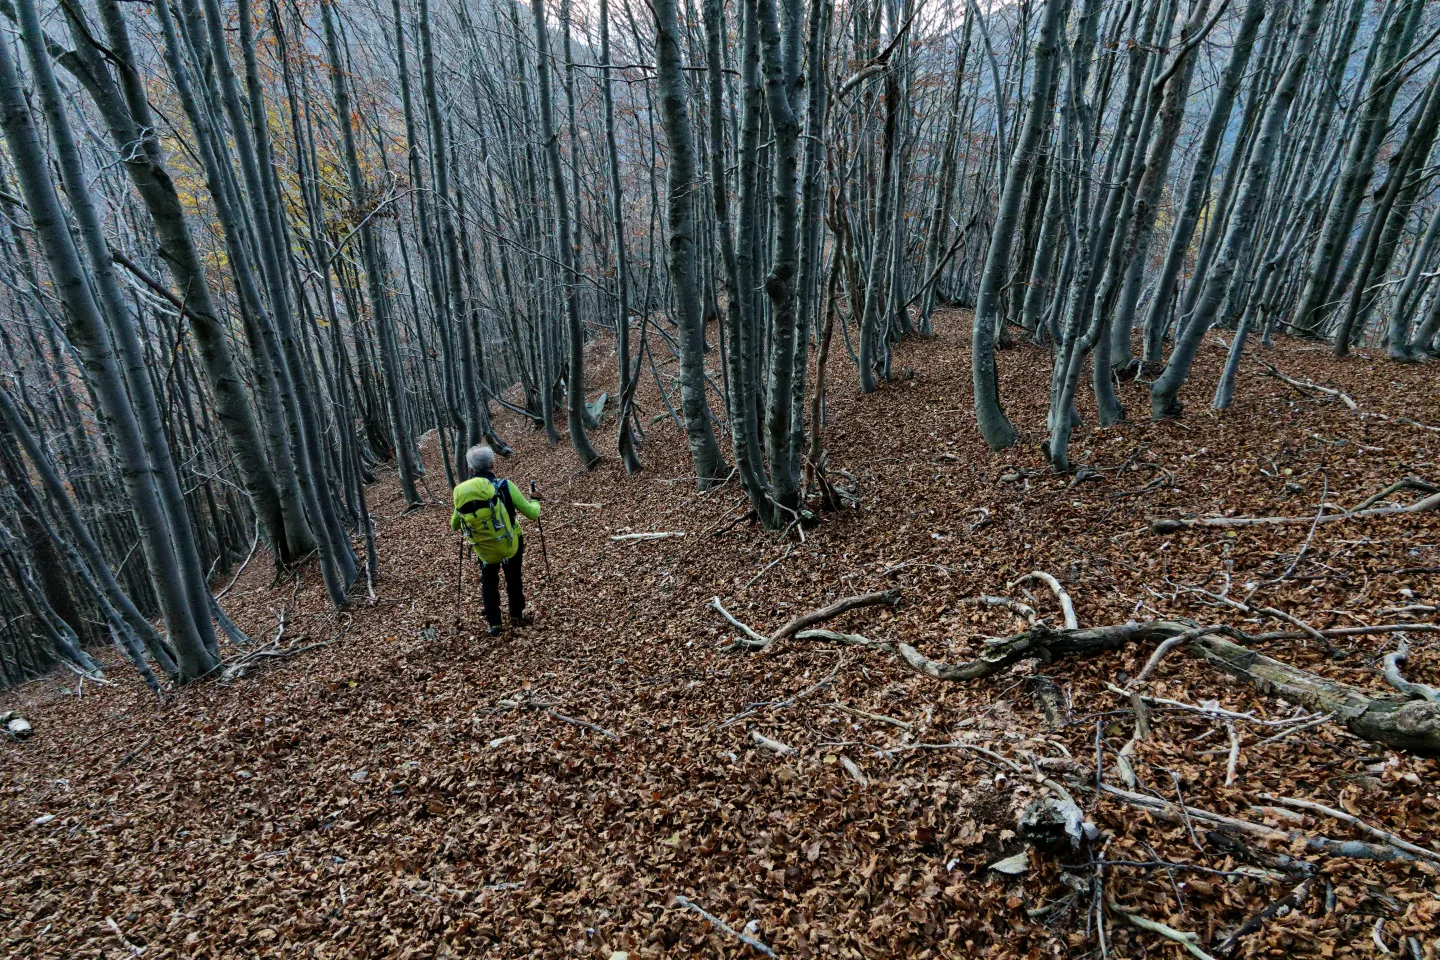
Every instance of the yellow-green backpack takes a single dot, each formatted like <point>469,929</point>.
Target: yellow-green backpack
<point>490,528</point>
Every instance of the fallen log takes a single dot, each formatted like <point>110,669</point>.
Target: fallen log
<point>1411,724</point>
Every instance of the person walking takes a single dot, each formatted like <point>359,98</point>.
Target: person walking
<point>487,510</point>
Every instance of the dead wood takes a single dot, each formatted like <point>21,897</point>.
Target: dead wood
<point>1067,608</point>
<point>1424,853</point>
<point>1022,610</point>
<point>1321,846</point>
<point>774,746</point>
<point>1424,505</point>
<point>1285,905</point>
<point>724,927</point>
<point>875,717</point>
<point>1305,386</point>
<point>1410,724</point>
<point>1397,680</point>
<point>887,597</point>
<point>752,640</point>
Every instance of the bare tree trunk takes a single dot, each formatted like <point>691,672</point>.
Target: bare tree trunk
<point>704,451</point>
<point>89,333</point>
<point>589,459</point>
<point>781,43</point>
<point>989,415</point>
<point>626,442</point>
<point>1205,156</point>
<point>1164,393</point>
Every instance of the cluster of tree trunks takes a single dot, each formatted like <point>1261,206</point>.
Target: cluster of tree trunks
<point>249,268</point>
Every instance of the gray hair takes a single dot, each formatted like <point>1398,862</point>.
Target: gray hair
<point>480,458</point>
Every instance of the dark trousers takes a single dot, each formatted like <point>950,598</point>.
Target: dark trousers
<point>514,588</point>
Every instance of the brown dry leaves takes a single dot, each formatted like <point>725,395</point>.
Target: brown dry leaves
<point>376,797</point>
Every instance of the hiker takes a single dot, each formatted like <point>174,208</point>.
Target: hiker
<point>485,508</point>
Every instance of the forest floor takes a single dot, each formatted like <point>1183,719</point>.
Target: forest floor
<point>573,788</point>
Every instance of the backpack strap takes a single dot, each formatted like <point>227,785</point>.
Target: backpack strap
<point>502,490</point>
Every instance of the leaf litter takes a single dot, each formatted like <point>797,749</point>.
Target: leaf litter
<point>583,787</point>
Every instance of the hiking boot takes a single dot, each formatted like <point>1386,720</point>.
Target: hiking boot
<point>495,631</point>
<point>519,620</point>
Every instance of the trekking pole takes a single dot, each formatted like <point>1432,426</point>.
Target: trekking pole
<point>540,524</point>
<point>459,579</point>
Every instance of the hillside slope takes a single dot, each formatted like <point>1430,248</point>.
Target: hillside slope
<point>417,789</point>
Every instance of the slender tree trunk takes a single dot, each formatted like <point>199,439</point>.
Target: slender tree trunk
<point>1164,393</point>
<point>575,379</point>
<point>704,451</point>
<point>994,426</point>
<point>89,333</point>
<point>626,442</point>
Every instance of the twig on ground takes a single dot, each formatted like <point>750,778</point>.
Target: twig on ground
<point>658,535</point>
<point>133,753</point>
<point>754,708</point>
<point>582,723</point>
<point>1291,901</point>
<point>767,568</point>
<point>724,927</point>
<point>1324,495</point>
<point>876,717</point>
<point>1165,648</point>
<point>1233,763</point>
<point>1304,726</point>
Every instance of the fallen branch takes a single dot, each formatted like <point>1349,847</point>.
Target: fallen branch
<point>1066,607</point>
<point>724,927</point>
<point>1424,853</point>
<point>659,535</point>
<point>1171,525</point>
<point>876,717</point>
<point>1345,398</point>
<point>1022,610</point>
<point>1322,846</point>
<point>1410,724</point>
<point>774,746</point>
<point>1356,631</point>
<point>1291,901</point>
<point>1396,680</point>
<point>887,597</point>
<point>754,640</point>
<point>848,639</point>
<point>1189,941</point>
